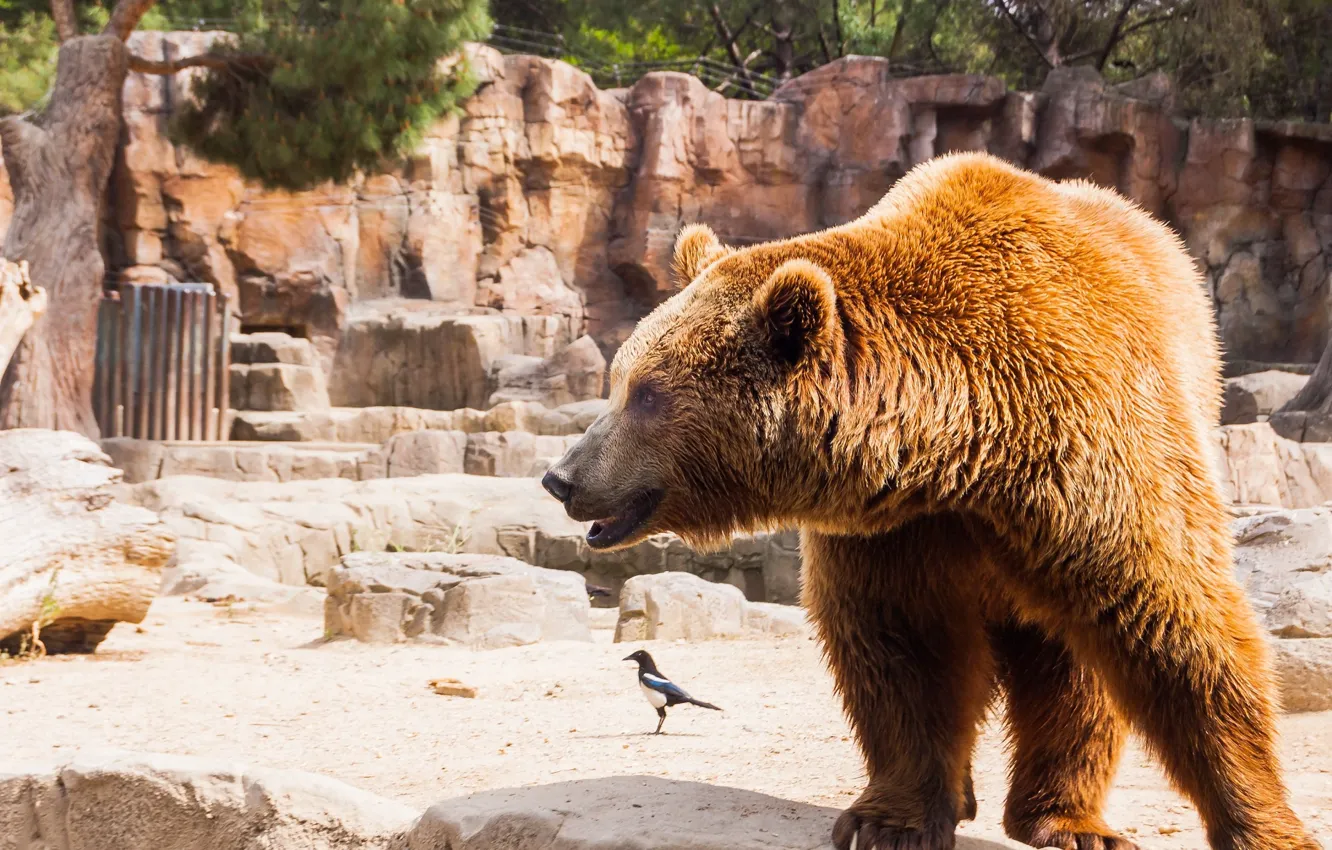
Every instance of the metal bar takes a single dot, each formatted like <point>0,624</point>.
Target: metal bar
<point>126,347</point>
<point>192,361</point>
<point>162,357</point>
<point>113,367</point>
<point>143,335</point>
<point>173,353</point>
<point>224,370</point>
<point>206,353</point>
<point>99,359</point>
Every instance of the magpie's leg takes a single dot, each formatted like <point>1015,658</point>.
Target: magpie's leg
<point>1066,735</point>
<point>903,631</point>
<point>661,713</point>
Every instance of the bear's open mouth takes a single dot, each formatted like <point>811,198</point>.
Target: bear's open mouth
<point>611,530</point>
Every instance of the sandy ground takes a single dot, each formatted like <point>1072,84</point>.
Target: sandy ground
<point>264,688</point>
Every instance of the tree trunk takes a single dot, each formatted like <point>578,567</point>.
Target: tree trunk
<point>1308,416</point>
<point>21,304</point>
<point>59,164</point>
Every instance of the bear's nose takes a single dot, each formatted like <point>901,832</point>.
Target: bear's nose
<point>557,486</point>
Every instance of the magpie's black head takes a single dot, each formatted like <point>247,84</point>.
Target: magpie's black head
<point>644,661</point>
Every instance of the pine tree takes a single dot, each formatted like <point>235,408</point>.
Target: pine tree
<point>304,91</point>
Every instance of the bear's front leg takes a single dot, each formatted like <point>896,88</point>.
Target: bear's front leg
<point>902,630</point>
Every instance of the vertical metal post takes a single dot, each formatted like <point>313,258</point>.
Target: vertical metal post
<point>224,370</point>
<point>161,357</point>
<point>116,365</point>
<point>143,341</point>
<point>206,353</point>
<point>192,366</point>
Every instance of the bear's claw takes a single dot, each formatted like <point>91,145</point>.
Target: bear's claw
<point>1070,837</point>
<point>863,832</point>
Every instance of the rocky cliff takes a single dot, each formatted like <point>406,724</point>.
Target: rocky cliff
<point>550,197</point>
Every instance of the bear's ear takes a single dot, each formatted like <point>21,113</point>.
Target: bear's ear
<point>696,248</point>
<point>797,307</point>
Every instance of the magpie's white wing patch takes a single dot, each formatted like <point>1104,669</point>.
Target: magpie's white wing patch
<point>655,698</point>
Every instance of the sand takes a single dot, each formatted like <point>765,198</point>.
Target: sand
<point>264,688</point>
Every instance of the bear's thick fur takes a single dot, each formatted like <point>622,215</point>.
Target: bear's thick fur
<point>986,405</point>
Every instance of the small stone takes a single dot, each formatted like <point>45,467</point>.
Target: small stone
<point>452,688</point>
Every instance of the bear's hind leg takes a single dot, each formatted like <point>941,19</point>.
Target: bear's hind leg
<point>905,641</point>
<point>1066,737</point>
<point>1179,647</point>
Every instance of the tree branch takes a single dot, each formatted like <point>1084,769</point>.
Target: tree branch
<point>66,21</point>
<point>728,39</point>
<point>203,60</point>
<point>837,27</point>
<point>1114,34</point>
<point>126,16</point>
<point>899,29</point>
<point>1023,31</point>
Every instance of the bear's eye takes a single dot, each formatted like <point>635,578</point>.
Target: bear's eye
<point>646,398</point>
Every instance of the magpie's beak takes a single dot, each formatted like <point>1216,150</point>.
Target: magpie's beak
<point>629,658</point>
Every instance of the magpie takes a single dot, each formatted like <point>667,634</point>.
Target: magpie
<point>660,691</point>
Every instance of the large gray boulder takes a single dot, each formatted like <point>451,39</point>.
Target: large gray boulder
<point>482,601</point>
<point>682,606</point>
<point>638,812</point>
<point>129,801</point>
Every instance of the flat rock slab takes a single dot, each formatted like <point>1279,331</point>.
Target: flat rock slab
<point>629,813</point>
<point>131,801</point>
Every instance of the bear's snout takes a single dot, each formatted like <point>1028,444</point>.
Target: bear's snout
<point>558,487</point>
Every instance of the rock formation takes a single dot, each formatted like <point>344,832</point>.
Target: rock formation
<point>551,198</point>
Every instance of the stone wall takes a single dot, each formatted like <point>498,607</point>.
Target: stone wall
<point>549,197</point>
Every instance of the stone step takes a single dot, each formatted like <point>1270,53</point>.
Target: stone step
<point>378,424</point>
<point>506,454</point>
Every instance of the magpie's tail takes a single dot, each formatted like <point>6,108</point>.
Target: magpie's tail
<point>701,704</point>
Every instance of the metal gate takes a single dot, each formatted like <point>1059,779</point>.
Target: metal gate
<point>162,362</point>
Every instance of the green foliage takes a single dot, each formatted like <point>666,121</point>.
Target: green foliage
<point>27,61</point>
<point>323,89</point>
<point>1269,58</point>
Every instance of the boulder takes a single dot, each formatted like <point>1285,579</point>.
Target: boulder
<point>129,801</point>
<point>273,347</point>
<point>77,561</point>
<point>428,355</point>
<point>665,815</point>
<point>424,453</point>
<point>1304,674</point>
<point>494,612</point>
<point>771,619</point>
<point>1254,397</point>
<point>1284,561</point>
<point>278,386</point>
<point>484,602</point>
<point>576,373</point>
<point>678,606</point>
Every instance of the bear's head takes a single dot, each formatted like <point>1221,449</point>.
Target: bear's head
<point>712,400</point>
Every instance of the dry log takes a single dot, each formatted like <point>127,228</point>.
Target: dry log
<point>72,558</point>
<point>21,304</point>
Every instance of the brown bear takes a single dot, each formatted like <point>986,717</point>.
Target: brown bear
<point>986,405</point>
